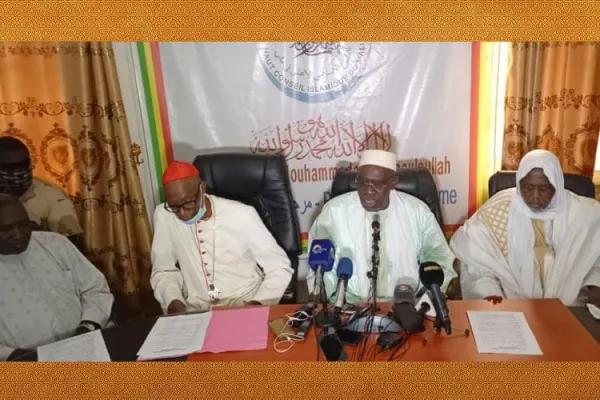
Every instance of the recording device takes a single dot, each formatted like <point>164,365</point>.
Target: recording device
<point>308,308</point>
<point>320,260</point>
<point>331,346</point>
<point>303,328</point>
<point>403,309</point>
<point>350,337</point>
<point>344,273</point>
<point>389,340</point>
<point>432,277</point>
<point>423,310</point>
<point>373,323</point>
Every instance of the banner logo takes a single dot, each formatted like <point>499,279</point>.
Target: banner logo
<point>315,72</point>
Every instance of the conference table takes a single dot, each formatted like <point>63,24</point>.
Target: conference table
<point>563,334</point>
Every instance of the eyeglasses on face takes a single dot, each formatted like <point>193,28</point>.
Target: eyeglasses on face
<point>188,205</point>
<point>378,186</point>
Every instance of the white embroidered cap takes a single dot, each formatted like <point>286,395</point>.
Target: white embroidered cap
<point>380,158</point>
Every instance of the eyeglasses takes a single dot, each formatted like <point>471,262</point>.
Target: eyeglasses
<point>377,186</point>
<point>188,206</point>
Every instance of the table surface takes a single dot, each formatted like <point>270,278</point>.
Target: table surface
<point>560,335</point>
<point>564,334</point>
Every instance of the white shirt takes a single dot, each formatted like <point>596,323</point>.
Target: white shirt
<point>46,292</point>
<point>410,235</point>
<point>224,251</point>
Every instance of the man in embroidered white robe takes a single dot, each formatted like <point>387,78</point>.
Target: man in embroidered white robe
<point>536,241</point>
<point>410,234</point>
<point>225,253</point>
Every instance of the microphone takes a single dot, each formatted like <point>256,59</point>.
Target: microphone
<point>432,277</point>
<point>403,309</point>
<point>320,260</point>
<point>344,273</point>
<point>372,274</point>
<point>375,224</point>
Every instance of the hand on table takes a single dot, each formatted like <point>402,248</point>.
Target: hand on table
<point>81,330</point>
<point>252,303</point>
<point>176,307</point>
<point>494,299</point>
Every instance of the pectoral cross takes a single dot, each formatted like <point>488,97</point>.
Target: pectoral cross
<point>213,293</point>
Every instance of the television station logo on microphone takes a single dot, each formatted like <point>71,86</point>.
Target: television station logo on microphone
<point>318,249</point>
<point>315,72</point>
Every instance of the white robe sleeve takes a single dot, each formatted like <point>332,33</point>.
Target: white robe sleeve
<point>323,228</point>
<point>91,285</point>
<point>166,279</point>
<point>479,261</point>
<point>434,246</point>
<point>5,351</point>
<point>271,258</point>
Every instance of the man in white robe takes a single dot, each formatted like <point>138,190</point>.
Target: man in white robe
<point>226,255</point>
<point>49,290</point>
<point>410,234</point>
<point>538,240</point>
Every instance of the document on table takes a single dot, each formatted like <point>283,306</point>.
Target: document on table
<point>86,347</point>
<point>501,332</point>
<point>225,334</point>
<point>175,336</point>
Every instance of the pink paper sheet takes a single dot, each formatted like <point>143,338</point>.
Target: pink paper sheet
<point>237,330</point>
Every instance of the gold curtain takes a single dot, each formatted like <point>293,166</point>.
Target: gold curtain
<point>553,102</point>
<point>63,100</point>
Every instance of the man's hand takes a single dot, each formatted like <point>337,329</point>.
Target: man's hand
<point>176,307</point>
<point>81,330</point>
<point>252,303</point>
<point>592,295</point>
<point>494,299</point>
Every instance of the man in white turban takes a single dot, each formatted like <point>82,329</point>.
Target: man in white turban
<point>535,241</point>
<point>409,232</point>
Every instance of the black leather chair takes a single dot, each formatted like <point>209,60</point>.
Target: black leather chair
<point>261,181</point>
<point>578,184</point>
<point>417,182</point>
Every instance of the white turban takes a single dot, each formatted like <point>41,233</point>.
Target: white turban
<point>521,237</point>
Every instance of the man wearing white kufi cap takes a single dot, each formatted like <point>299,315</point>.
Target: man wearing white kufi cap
<point>410,234</point>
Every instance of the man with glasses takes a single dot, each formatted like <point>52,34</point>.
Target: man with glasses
<point>211,251</point>
<point>408,230</point>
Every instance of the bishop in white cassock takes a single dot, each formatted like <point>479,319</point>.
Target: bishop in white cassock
<point>410,234</point>
<point>226,255</point>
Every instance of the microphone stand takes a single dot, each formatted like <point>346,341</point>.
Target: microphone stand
<point>438,325</point>
<point>373,322</point>
<point>324,318</point>
<point>374,272</point>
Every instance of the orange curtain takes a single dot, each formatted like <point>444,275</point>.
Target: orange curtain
<point>553,103</point>
<point>63,101</point>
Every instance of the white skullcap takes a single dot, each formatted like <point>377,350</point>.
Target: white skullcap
<point>380,158</point>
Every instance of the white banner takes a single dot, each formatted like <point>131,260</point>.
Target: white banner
<point>322,103</point>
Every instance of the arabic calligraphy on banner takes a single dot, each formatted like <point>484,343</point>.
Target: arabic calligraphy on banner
<point>321,104</point>
<point>317,139</point>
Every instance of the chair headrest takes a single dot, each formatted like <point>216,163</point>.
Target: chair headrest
<point>578,184</point>
<point>417,182</point>
<point>261,181</point>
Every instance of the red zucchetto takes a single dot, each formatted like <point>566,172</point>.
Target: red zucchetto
<point>179,170</point>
